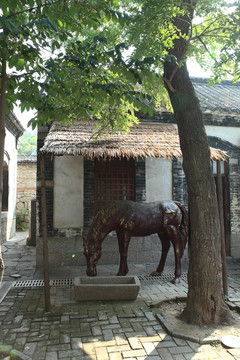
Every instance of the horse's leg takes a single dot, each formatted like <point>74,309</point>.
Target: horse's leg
<point>165,247</point>
<point>123,242</point>
<point>175,238</point>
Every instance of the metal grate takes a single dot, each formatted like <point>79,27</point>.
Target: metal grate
<point>159,278</point>
<point>38,283</point>
<point>28,283</point>
<point>61,282</point>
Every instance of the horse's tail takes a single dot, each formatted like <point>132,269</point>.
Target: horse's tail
<point>184,226</point>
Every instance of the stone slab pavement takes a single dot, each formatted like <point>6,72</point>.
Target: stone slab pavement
<point>96,330</point>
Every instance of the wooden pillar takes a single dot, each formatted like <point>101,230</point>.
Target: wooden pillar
<point>222,231</point>
<point>44,235</point>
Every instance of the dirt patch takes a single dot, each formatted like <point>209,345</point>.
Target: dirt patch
<point>170,310</point>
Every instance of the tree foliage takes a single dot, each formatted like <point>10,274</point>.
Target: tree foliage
<point>52,66</point>
<point>213,39</point>
<point>78,59</point>
<point>27,144</point>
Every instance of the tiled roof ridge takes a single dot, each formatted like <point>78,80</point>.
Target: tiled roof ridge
<point>27,158</point>
<point>222,97</point>
<point>14,125</point>
<point>203,80</point>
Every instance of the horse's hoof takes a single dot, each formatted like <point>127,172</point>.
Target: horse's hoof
<point>91,273</point>
<point>176,281</point>
<point>120,274</point>
<point>155,273</point>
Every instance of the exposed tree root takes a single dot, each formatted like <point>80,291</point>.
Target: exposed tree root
<point>221,317</point>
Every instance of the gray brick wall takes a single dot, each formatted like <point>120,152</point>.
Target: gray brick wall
<point>140,180</point>
<point>179,182</point>
<point>88,194</point>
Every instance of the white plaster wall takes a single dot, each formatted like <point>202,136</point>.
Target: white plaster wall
<point>231,134</point>
<point>158,179</point>
<point>11,160</point>
<point>68,192</point>
<point>228,133</point>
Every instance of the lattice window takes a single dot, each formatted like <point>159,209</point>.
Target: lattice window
<point>114,180</point>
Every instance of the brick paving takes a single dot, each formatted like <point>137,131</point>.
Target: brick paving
<point>96,330</point>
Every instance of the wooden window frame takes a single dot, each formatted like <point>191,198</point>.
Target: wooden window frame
<point>114,180</point>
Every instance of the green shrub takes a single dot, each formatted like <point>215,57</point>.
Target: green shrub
<point>22,219</point>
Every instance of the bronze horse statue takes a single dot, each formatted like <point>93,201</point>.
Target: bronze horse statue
<point>169,219</point>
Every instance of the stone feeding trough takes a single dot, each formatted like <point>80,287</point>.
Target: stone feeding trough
<point>106,288</point>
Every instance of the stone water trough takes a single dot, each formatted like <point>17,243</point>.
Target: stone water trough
<point>106,288</point>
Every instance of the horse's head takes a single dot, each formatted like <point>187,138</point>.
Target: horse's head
<point>92,254</point>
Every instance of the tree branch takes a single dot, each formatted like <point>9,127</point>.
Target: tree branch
<point>184,26</point>
<point>169,81</point>
<point>211,55</point>
<point>206,48</point>
<point>10,77</point>
<point>206,28</point>
<point>182,57</point>
<point>208,34</point>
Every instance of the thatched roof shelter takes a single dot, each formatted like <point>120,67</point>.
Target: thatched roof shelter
<point>144,140</point>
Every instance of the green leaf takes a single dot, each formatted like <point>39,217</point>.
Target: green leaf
<point>53,25</point>
<point>3,43</point>
<point>101,39</point>
<point>60,23</point>
<point>44,22</point>
<point>20,63</point>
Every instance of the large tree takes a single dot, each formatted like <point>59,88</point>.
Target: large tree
<point>205,302</point>
<point>216,38</point>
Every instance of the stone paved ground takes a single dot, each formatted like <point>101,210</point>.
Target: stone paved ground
<point>97,330</point>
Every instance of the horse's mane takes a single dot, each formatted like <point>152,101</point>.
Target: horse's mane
<point>100,223</point>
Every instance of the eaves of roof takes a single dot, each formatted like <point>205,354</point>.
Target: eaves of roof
<point>144,140</point>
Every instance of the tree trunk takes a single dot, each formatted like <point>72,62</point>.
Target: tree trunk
<point>2,139</point>
<point>205,302</point>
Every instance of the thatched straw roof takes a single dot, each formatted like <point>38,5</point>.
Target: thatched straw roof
<point>144,140</point>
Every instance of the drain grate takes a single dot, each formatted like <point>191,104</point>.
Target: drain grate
<point>162,277</point>
<point>28,283</point>
<point>38,283</point>
<point>61,282</point>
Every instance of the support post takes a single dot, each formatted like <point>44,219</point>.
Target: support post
<point>221,218</point>
<point>44,235</point>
